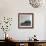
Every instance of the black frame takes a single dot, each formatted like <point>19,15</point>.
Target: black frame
<point>26,14</point>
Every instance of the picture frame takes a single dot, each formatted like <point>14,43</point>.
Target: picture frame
<point>25,20</point>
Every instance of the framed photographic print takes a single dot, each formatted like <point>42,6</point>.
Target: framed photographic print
<point>25,20</point>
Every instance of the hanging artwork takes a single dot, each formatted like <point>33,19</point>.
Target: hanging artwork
<point>25,20</point>
<point>36,3</point>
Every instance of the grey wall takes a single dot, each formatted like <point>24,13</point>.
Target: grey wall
<point>11,8</point>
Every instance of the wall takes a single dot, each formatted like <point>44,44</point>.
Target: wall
<point>11,8</point>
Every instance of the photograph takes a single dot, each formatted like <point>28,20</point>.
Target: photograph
<point>25,20</point>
